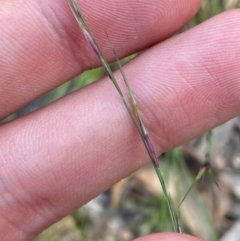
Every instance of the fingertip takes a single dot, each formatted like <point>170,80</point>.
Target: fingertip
<point>168,237</point>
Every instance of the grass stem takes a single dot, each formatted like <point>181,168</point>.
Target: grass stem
<point>136,118</point>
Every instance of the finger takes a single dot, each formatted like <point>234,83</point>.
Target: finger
<point>67,153</point>
<point>41,45</point>
<point>168,237</point>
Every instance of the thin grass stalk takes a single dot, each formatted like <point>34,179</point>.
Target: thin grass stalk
<point>143,129</point>
<point>208,157</point>
<point>147,140</point>
<point>91,40</point>
<point>209,140</point>
<point>206,168</point>
<point>140,126</point>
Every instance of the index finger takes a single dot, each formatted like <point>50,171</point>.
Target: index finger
<point>41,45</point>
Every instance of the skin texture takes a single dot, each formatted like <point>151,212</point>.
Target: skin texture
<point>168,237</point>
<point>60,157</point>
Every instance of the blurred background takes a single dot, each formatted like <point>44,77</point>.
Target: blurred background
<point>136,206</point>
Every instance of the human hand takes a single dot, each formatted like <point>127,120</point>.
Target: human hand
<point>60,157</point>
